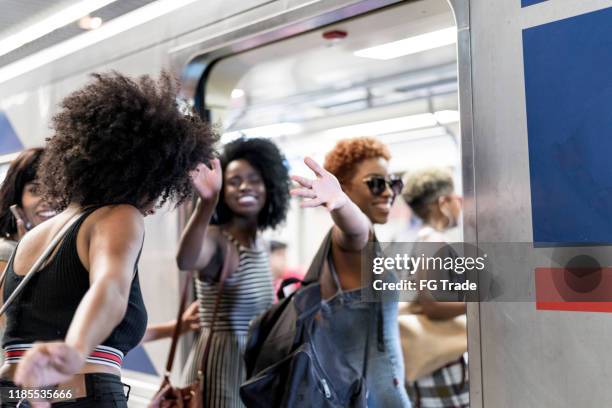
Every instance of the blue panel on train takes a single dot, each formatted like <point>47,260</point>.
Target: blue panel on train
<point>138,360</point>
<point>525,3</point>
<point>9,141</point>
<point>569,120</point>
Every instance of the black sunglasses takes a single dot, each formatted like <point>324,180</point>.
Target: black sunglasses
<point>378,184</point>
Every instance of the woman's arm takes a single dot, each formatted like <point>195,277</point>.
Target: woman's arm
<point>441,310</point>
<point>351,226</point>
<point>190,321</point>
<point>431,307</point>
<point>196,246</point>
<point>114,243</point>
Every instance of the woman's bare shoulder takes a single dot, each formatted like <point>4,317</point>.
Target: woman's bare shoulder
<point>121,222</point>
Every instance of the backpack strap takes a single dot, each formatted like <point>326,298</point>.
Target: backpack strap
<point>316,266</point>
<point>378,313</point>
<point>280,293</point>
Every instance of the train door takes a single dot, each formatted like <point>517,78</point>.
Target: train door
<point>391,74</point>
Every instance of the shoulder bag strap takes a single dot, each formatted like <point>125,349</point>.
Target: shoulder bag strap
<point>177,327</point>
<point>39,262</point>
<point>225,273</point>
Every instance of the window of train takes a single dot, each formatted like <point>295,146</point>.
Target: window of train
<point>390,74</point>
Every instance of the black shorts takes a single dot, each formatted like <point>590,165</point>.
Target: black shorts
<point>103,391</point>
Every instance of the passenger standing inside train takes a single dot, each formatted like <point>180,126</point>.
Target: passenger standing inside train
<point>431,195</point>
<point>120,146</point>
<point>281,272</point>
<point>361,165</point>
<point>247,192</point>
<point>20,191</point>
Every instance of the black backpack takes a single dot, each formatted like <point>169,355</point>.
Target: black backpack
<point>290,362</point>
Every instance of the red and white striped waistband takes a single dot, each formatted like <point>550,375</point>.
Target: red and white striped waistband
<point>104,355</point>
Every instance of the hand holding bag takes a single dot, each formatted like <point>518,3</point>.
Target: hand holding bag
<point>192,395</point>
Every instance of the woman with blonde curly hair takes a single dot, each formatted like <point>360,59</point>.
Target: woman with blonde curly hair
<point>431,196</point>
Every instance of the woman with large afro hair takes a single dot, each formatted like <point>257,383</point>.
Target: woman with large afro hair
<point>121,148</point>
<point>245,192</point>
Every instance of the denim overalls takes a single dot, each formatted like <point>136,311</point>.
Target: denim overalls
<point>348,319</point>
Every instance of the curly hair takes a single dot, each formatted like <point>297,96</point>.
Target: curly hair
<point>123,140</point>
<point>264,156</point>
<point>342,160</point>
<point>21,172</point>
<point>424,187</point>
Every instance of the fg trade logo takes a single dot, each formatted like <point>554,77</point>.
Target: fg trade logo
<point>581,285</point>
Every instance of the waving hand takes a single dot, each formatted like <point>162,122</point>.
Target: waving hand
<point>324,190</point>
<point>207,182</point>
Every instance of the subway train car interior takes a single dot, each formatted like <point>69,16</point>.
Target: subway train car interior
<point>505,98</point>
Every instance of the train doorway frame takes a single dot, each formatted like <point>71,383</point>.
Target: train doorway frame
<point>201,56</point>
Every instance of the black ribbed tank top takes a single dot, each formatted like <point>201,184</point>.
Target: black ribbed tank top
<point>44,309</point>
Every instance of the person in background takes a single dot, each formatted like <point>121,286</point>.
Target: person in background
<point>19,190</point>
<point>121,147</point>
<point>278,260</point>
<point>361,167</point>
<point>409,230</point>
<point>247,192</point>
<point>431,195</point>
<point>280,270</point>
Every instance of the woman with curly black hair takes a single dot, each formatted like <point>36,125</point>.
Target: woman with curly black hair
<point>121,145</point>
<point>248,190</point>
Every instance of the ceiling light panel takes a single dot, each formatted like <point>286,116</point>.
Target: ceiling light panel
<point>267,131</point>
<point>107,13</point>
<point>50,24</point>
<point>381,127</point>
<point>412,45</point>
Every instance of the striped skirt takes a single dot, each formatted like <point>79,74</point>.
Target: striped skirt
<point>225,369</point>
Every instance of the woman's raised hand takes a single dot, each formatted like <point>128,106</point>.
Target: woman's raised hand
<point>207,181</point>
<point>324,190</point>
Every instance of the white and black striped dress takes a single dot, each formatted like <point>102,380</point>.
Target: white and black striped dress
<point>248,291</point>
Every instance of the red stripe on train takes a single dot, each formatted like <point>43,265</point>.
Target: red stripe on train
<point>575,290</point>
